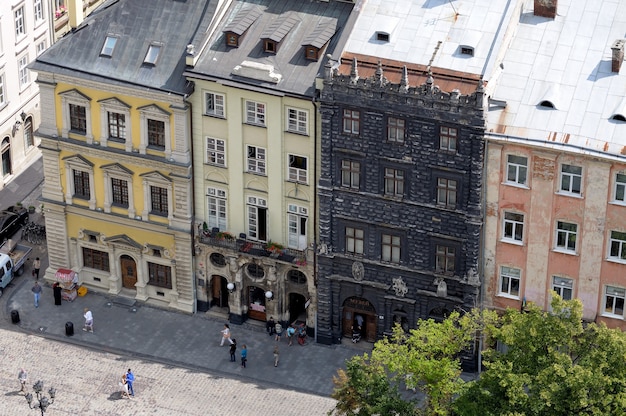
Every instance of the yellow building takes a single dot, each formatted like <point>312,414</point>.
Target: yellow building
<point>117,150</point>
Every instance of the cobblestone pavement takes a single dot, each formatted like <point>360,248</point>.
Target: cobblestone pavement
<point>86,383</point>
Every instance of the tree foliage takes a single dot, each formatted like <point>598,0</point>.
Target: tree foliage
<point>551,364</point>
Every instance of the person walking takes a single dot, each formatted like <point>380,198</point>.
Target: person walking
<point>22,376</point>
<point>56,289</point>
<point>37,293</point>
<point>225,335</point>
<point>270,325</point>
<point>130,378</point>
<point>276,355</point>
<point>88,320</point>
<point>233,348</point>
<point>36,267</point>
<point>124,386</point>
<point>278,328</point>
<point>244,355</point>
<point>290,332</point>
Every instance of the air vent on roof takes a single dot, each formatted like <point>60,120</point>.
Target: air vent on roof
<point>545,8</point>
<point>618,55</point>
<point>618,117</point>
<point>546,103</point>
<point>467,50</point>
<point>382,36</point>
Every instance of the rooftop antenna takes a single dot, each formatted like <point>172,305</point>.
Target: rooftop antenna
<point>453,8</point>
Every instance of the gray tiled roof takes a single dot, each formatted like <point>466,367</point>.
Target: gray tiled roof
<point>137,24</point>
<point>296,74</point>
<point>325,29</point>
<point>280,27</point>
<point>243,20</point>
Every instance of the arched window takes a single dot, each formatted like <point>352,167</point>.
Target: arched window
<point>28,132</point>
<point>6,156</point>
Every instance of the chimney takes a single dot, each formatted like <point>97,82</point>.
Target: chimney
<point>545,8</point>
<point>618,54</point>
<point>75,13</point>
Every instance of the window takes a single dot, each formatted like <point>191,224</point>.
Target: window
<point>78,118</point>
<point>354,240</point>
<point>298,169</point>
<point>390,245</point>
<point>159,275</point>
<point>350,174</point>
<point>255,113</point>
<point>395,130</point>
<point>214,104</point>
<point>41,46</point>
<point>156,133</point>
<point>296,276</point>
<point>109,46</point>
<point>563,287</point>
<point>446,192</point>
<point>232,40</point>
<point>351,121</point>
<point>297,121</point>
<point>516,169</point>
<point>81,184</point>
<point>617,246</point>
<point>447,139</point>
<point>2,94</point>
<point>297,219</point>
<point>95,259</point>
<point>620,188</point>
<point>445,259</point>
<point>571,178</point>
<point>256,160</point>
<point>20,23</point>
<point>152,55</point>
<point>22,65</point>
<point>510,281</point>
<point>394,182</point>
<point>566,236</point>
<point>216,151</point>
<point>513,226</point>
<point>76,113</point>
<point>28,132</point>
<point>269,46</point>
<point>614,301</point>
<point>38,9</point>
<point>382,36</point>
<point>216,206</point>
<point>257,218</point>
<point>119,192</point>
<point>159,202</point>
<point>117,125</point>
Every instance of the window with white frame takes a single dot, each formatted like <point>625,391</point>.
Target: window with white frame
<point>571,179</point>
<point>1,44</point>
<point>41,46</point>
<point>395,130</point>
<point>617,246</point>
<point>156,134</point>
<point>117,125</point>
<point>390,248</point>
<point>510,279</point>
<point>20,22</point>
<point>76,114</point>
<point>2,93</point>
<point>157,192</point>
<point>446,192</point>
<point>216,208</point>
<point>614,301</point>
<point>351,121</point>
<point>620,188</point>
<point>118,191</point>
<point>78,118</point>
<point>298,169</point>
<point>154,129</point>
<point>22,66</point>
<point>566,236</point>
<point>563,287</point>
<point>297,121</point>
<point>115,122</point>
<point>257,218</point>
<point>255,113</point>
<point>79,180</point>
<point>38,10</point>
<point>516,169</point>
<point>214,104</point>
<point>256,160</point>
<point>297,219</point>
<point>216,151</point>
<point>109,46</point>
<point>513,227</point>
<point>350,174</point>
<point>448,138</point>
<point>152,55</point>
<point>159,201</point>
<point>355,240</point>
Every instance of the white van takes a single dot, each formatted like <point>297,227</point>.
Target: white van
<point>6,271</point>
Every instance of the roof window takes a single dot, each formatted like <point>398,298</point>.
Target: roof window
<point>618,117</point>
<point>152,55</point>
<point>382,36</point>
<point>546,103</point>
<point>109,45</point>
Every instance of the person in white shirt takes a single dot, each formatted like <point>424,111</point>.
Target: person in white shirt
<point>88,320</point>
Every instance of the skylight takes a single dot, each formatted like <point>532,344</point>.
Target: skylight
<point>152,55</point>
<point>109,45</point>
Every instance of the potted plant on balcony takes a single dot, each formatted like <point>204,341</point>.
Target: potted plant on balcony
<point>225,235</point>
<point>275,249</point>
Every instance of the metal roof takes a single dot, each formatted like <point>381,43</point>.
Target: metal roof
<point>322,33</point>
<point>243,20</point>
<point>279,28</point>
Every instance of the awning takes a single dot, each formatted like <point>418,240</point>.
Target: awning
<point>65,275</point>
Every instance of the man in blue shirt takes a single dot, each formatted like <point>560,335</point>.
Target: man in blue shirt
<point>130,378</point>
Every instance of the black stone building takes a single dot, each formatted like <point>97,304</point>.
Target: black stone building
<point>399,197</point>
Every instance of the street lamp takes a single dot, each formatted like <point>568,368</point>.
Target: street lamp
<point>42,402</point>
<point>269,295</point>
<point>231,287</point>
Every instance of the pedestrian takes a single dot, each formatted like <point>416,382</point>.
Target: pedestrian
<point>269,326</point>
<point>37,292</point>
<point>36,267</point>
<point>56,289</point>
<point>124,386</point>
<point>290,332</point>
<point>226,335</point>
<point>130,378</point>
<point>276,355</point>
<point>278,328</point>
<point>244,355</point>
<point>233,348</point>
<point>22,376</point>
<point>88,320</point>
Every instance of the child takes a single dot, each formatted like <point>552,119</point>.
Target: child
<point>244,355</point>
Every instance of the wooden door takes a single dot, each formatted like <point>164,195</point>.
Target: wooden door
<point>346,325</point>
<point>216,291</point>
<point>370,328</point>
<point>129,272</point>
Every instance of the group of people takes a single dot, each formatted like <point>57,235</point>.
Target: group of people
<point>233,346</point>
<point>127,384</point>
<point>276,329</point>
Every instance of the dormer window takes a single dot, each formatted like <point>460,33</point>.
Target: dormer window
<point>109,45</point>
<point>382,36</point>
<point>232,40</point>
<point>467,50</point>
<point>311,53</point>
<point>269,46</point>
<point>152,55</point>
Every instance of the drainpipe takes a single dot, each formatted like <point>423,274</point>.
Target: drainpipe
<point>315,210</point>
<point>193,207</point>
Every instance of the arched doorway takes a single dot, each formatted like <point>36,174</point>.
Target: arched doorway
<point>218,295</point>
<point>129,271</point>
<point>5,148</point>
<point>400,317</point>
<point>358,310</point>
<point>297,308</point>
<point>438,314</point>
<point>256,303</point>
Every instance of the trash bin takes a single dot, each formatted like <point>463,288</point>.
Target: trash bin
<point>15,316</point>
<point>69,329</point>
